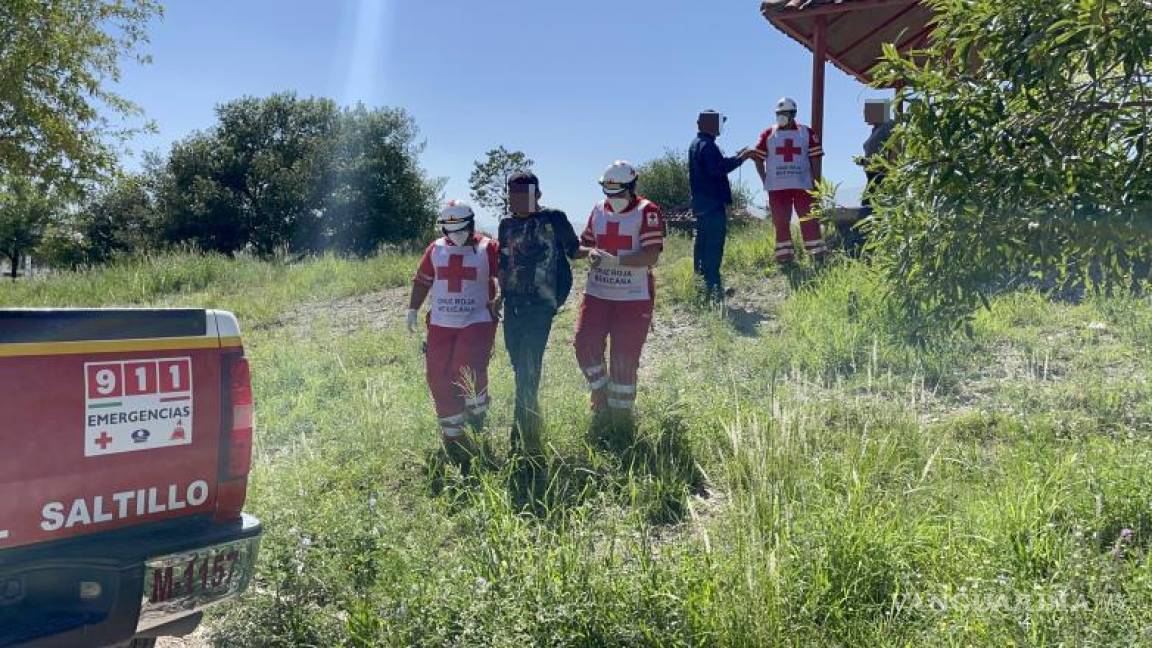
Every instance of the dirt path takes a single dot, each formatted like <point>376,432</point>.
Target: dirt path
<point>751,311</point>
<point>198,639</point>
<point>375,310</point>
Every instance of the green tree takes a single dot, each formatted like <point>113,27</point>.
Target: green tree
<point>489,180</point>
<point>664,180</point>
<point>62,246</point>
<point>194,207</point>
<point>378,193</point>
<point>257,178</point>
<point>288,173</point>
<point>56,60</point>
<point>119,219</point>
<point>26,209</point>
<point>1023,151</point>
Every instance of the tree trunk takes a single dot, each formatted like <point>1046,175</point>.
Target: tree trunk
<point>14,258</point>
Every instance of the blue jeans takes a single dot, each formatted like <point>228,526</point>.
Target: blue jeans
<point>708,253</point>
<point>526,330</point>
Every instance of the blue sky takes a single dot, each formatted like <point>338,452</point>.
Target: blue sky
<point>575,85</point>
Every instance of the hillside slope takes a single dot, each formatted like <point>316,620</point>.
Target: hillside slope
<point>802,477</point>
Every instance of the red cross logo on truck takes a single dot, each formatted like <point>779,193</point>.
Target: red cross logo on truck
<point>789,150</point>
<point>455,273</point>
<point>612,241</point>
<point>104,440</point>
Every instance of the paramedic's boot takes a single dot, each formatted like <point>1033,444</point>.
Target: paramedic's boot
<point>622,427</point>
<point>481,442</point>
<point>476,422</point>
<point>600,429</point>
<point>435,464</point>
<point>461,452</point>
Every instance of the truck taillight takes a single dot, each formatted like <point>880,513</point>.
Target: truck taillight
<point>239,459</point>
<point>235,438</point>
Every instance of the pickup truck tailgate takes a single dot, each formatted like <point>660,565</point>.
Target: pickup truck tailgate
<point>109,419</point>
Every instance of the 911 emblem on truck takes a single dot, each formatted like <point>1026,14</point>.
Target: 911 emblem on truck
<point>99,545</point>
<point>122,397</point>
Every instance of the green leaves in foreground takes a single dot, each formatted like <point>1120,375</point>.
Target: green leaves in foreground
<point>57,59</point>
<point>1022,156</point>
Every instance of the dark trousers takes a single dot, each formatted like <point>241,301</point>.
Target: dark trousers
<point>852,238</point>
<point>874,180</point>
<point>526,330</point>
<point>708,254</point>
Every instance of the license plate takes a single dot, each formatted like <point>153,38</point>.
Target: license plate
<point>179,584</point>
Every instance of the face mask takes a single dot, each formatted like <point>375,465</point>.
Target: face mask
<point>459,238</point>
<point>783,120</point>
<point>619,204</point>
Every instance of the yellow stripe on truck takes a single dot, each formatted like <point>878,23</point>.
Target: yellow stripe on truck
<point>114,346</point>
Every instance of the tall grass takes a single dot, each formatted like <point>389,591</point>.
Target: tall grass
<point>812,481</point>
<point>257,290</point>
<point>837,520</point>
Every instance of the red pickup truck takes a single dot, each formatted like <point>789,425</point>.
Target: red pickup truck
<point>125,447</point>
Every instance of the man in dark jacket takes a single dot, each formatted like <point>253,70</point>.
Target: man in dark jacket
<point>708,171</point>
<point>535,279</point>
<point>876,114</point>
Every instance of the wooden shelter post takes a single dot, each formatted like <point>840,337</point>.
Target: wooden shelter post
<point>819,57</point>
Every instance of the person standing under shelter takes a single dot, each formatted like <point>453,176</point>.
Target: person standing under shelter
<point>790,152</point>
<point>877,115</point>
<point>708,171</point>
<point>536,244</point>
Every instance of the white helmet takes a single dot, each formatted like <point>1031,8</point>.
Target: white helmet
<point>785,104</point>
<point>455,216</point>
<point>619,177</point>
